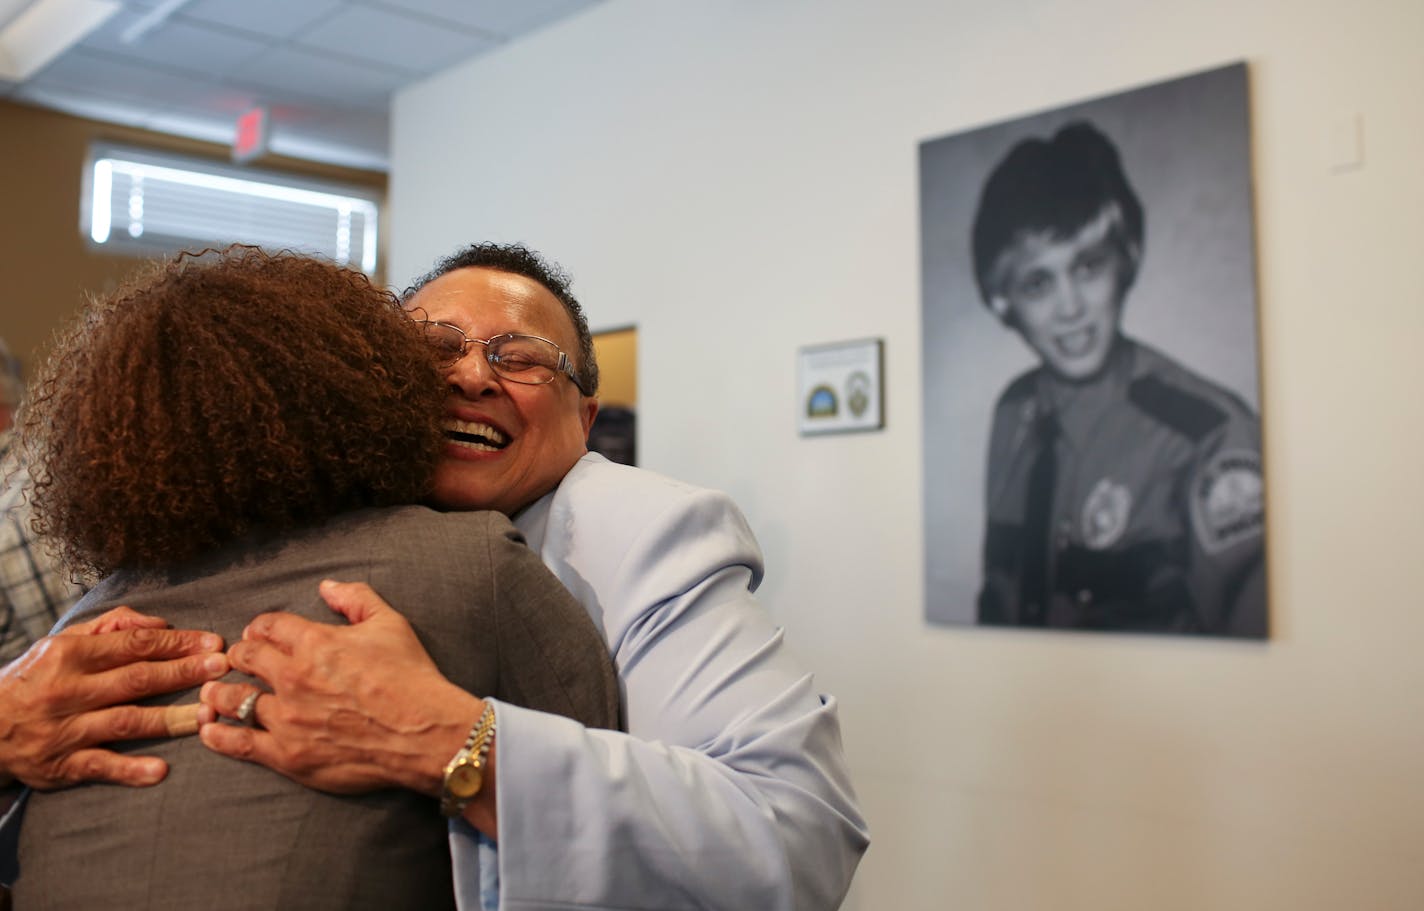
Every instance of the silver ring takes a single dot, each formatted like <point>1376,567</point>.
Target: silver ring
<point>248,709</point>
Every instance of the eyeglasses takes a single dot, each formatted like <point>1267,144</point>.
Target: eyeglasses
<point>518,358</point>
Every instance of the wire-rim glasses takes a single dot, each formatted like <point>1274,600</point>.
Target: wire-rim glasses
<point>527,359</point>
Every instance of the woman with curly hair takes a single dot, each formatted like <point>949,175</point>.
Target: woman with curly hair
<point>212,440</point>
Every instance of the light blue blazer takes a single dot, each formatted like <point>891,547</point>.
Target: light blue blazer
<point>729,789</point>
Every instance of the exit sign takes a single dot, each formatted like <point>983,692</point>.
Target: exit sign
<point>251,139</point>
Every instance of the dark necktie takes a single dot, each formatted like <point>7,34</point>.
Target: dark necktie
<point>1035,583</point>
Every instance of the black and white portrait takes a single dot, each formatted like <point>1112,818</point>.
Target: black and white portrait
<point>1092,430</point>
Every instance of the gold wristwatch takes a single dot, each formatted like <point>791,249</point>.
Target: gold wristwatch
<point>465,772</point>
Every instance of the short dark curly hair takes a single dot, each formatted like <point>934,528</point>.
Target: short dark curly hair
<point>226,394</point>
<point>1056,186</point>
<point>518,259</point>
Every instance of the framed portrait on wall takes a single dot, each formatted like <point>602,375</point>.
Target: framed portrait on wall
<point>1092,436</point>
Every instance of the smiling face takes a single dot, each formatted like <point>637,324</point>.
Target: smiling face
<point>507,444</point>
<point>1064,296</point>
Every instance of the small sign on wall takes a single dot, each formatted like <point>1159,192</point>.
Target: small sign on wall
<point>840,387</point>
<point>249,142</point>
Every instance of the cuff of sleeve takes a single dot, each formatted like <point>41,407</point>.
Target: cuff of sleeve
<point>535,784</point>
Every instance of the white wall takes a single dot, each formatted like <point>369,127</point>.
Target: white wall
<point>738,178</point>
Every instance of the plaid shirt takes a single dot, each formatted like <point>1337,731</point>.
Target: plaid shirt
<point>34,591</point>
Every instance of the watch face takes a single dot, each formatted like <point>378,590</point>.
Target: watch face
<point>464,781</point>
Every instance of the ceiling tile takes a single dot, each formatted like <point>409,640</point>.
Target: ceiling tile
<point>499,17</point>
<point>88,71</point>
<point>176,44</point>
<point>272,18</point>
<point>416,45</point>
<point>313,74</point>
<point>324,68</point>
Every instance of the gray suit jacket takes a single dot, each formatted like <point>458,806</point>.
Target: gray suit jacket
<point>219,833</point>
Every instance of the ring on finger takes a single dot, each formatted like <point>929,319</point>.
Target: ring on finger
<point>247,711</point>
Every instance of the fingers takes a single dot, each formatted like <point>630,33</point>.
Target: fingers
<point>283,632</point>
<point>132,722</point>
<point>356,601</point>
<point>68,693</point>
<point>248,744</point>
<point>226,699</point>
<point>102,651</point>
<point>142,679</point>
<point>116,620</point>
<point>267,650</point>
<point>313,763</point>
<point>271,642</point>
<point>260,659</point>
<point>76,757</point>
<point>108,766</point>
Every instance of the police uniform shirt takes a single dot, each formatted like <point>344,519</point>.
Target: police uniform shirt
<point>1154,518</point>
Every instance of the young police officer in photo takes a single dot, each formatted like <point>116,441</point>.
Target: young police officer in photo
<point>1123,490</point>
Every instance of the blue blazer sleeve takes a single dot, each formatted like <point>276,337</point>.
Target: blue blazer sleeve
<point>729,789</point>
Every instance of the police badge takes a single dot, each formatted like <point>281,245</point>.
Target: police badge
<point>1105,514</point>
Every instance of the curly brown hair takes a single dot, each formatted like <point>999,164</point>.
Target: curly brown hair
<point>226,394</point>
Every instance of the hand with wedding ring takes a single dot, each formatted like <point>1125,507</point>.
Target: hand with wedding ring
<point>348,709</point>
<point>71,692</point>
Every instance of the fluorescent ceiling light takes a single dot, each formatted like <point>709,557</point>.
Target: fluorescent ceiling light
<point>102,215</point>
<point>153,20</point>
<point>46,29</point>
<point>9,9</point>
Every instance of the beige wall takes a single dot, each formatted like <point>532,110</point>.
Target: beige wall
<point>46,263</point>
<point>739,178</point>
<point>617,353</point>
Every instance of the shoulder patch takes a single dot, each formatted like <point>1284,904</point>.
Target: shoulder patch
<point>1227,502</point>
<point>1190,415</point>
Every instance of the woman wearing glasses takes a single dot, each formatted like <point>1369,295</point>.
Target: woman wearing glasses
<point>213,440</point>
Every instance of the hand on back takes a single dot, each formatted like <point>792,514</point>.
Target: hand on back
<point>349,709</point>
<point>72,692</point>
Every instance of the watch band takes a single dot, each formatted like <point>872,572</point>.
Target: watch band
<point>468,763</point>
